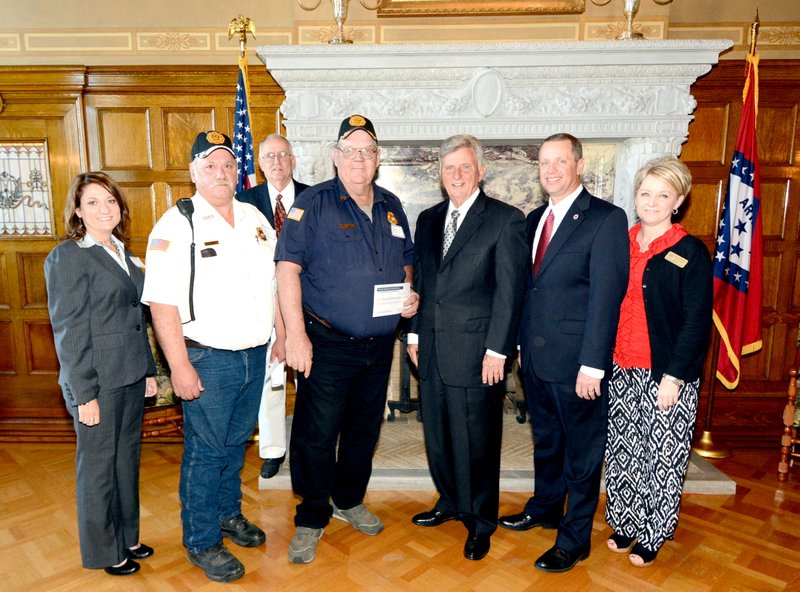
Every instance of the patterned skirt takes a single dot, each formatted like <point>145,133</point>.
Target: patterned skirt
<point>647,454</point>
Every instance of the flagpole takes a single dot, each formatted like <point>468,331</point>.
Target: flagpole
<point>706,446</point>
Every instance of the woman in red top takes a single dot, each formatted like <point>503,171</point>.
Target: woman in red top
<point>664,326</point>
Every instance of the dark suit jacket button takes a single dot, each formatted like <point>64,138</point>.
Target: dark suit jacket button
<point>538,341</point>
<point>138,327</point>
<point>135,303</point>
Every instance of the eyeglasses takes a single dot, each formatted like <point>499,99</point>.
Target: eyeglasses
<point>282,155</point>
<point>367,153</point>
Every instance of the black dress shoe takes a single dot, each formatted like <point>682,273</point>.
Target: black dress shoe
<point>477,545</point>
<point>242,532</point>
<point>523,521</point>
<point>432,518</point>
<point>557,559</point>
<point>140,552</point>
<point>271,466</point>
<point>126,569</point>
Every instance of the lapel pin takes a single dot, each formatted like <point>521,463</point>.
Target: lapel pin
<point>575,216</point>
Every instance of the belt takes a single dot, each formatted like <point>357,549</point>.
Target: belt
<point>332,329</point>
<point>194,344</point>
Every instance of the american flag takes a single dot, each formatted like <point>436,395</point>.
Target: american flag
<point>242,136</point>
<point>738,274</point>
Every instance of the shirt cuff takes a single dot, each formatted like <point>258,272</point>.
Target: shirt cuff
<point>593,372</point>
<point>412,339</point>
<point>494,354</point>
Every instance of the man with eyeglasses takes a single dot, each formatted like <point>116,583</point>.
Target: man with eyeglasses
<point>274,199</point>
<point>344,241</point>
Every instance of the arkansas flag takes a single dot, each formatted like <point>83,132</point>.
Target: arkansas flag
<point>242,136</point>
<point>738,258</point>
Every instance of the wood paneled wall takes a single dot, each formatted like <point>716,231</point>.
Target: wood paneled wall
<point>138,124</point>
<point>751,414</point>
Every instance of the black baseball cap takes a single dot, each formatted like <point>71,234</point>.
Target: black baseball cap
<point>356,122</point>
<point>207,142</point>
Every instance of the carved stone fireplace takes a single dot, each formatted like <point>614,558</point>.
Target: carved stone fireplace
<point>628,101</point>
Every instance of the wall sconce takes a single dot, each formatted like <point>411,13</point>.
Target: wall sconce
<point>630,9</point>
<point>339,15</point>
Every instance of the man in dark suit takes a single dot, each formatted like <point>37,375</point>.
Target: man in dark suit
<point>469,270</point>
<point>274,198</point>
<point>580,253</point>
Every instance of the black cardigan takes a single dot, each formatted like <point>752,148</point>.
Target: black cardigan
<point>678,296</point>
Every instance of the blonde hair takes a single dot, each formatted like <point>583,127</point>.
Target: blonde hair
<point>670,170</point>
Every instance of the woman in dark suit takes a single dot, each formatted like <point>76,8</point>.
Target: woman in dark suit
<point>663,333</point>
<point>107,369</point>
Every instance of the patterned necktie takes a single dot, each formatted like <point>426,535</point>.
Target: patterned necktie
<point>280,214</point>
<point>544,240</point>
<point>450,231</point>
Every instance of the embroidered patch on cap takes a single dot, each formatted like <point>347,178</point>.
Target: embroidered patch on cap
<point>158,244</point>
<point>215,138</point>
<point>357,120</point>
<point>295,214</point>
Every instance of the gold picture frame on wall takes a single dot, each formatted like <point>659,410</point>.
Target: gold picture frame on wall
<point>420,8</point>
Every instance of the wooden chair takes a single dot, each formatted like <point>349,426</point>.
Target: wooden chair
<point>790,439</point>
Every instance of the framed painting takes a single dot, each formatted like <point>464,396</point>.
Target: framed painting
<point>420,8</point>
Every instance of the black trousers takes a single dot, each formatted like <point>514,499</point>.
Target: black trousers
<point>107,476</point>
<point>342,399</point>
<point>463,429</point>
<point>569,436</point>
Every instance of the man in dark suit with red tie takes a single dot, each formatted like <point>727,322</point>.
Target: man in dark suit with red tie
<point>469,270</point>
<point>579,250</point>
<point>274,198</point>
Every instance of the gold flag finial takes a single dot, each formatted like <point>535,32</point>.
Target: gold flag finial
<point>754,33</point>
<point>242,26</point>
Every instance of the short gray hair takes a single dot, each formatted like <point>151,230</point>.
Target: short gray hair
<point>275,136</point>
<point>459,141</point>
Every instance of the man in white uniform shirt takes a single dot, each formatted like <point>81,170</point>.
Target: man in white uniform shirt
<point>210,284</point>
<point>274,199</point>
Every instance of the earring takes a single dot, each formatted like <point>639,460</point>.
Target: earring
<point>675,212</point>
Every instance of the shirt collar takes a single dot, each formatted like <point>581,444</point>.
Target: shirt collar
<point>561,208</point>
<point>88,241</point>
<point>287,191</point>
<point>464,207</point>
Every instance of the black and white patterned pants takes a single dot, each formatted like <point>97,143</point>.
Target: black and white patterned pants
<point>647,454</point>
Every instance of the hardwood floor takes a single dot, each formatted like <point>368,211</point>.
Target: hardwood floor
<point>746,542</point>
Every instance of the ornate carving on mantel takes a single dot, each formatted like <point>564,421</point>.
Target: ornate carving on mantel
<point>636,93</point>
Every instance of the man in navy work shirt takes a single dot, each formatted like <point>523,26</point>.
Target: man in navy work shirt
<point>342,240</point>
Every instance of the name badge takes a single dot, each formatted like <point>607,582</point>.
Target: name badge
<point>397,231</point>
<point>676,259</point>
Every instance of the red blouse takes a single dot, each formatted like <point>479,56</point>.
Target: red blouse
<point>632,349</point>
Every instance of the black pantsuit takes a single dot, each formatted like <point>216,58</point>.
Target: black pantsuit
<point>107,476</point>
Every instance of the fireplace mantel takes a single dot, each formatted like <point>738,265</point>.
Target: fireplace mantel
<point>635,94</point>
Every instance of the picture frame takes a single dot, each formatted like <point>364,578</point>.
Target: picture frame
<point>420,8</point>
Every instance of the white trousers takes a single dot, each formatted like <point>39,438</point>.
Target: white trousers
<point>272,412</point>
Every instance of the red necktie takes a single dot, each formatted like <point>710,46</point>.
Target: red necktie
<point>280,214</point>
<point>544,240</point>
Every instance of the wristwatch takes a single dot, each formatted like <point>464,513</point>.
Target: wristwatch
<point>673,380</point>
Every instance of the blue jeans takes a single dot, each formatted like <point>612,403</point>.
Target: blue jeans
<point>216,428</point>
